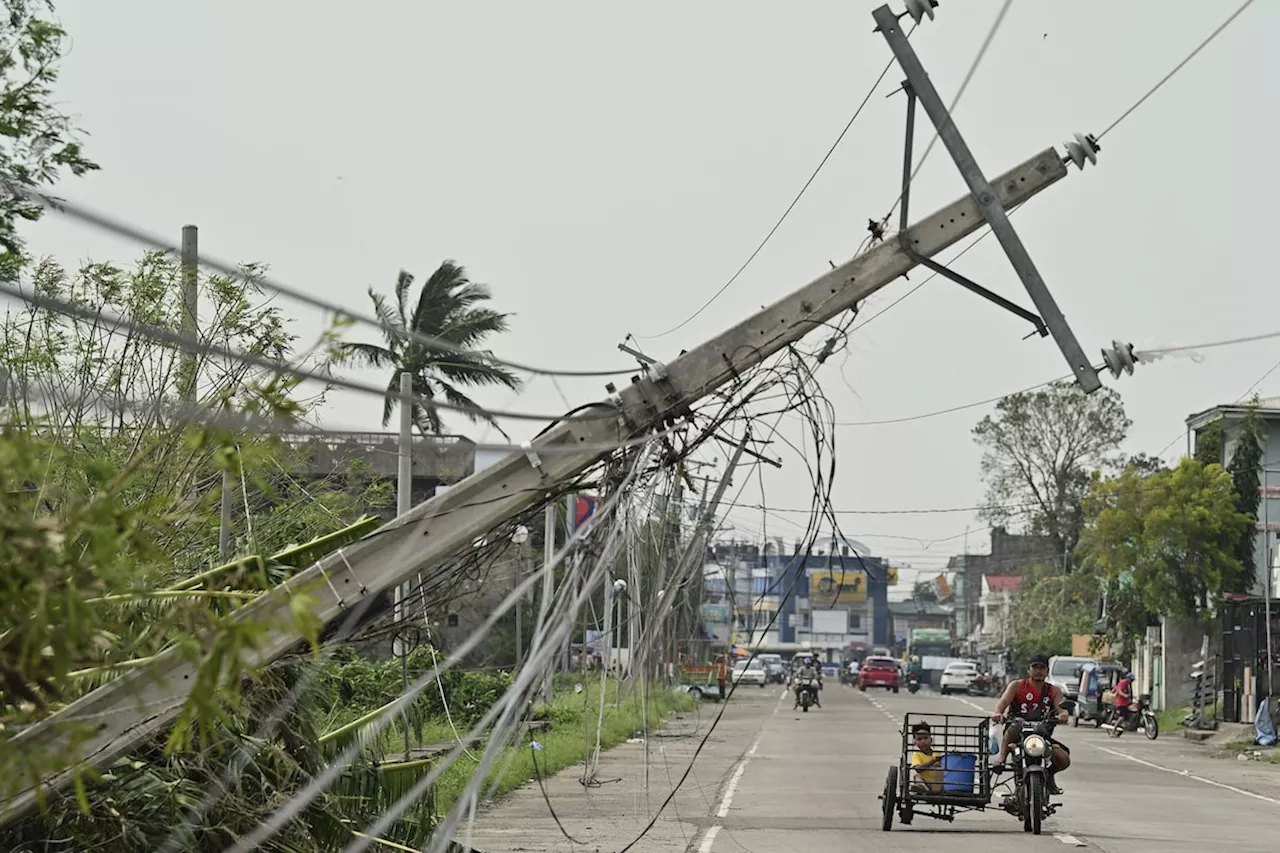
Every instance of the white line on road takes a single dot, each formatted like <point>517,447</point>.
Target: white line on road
<point>726,801</point>
<point>709,840</point>
<point>1069,839</point>
<point>1185,774</point>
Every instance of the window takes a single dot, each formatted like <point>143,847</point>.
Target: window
<point>762,585</point>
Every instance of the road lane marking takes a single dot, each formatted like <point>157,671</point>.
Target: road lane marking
<point>1069,839</point>
<point>726,800</point>
<point>1185,774</point>
<point>709,840</point>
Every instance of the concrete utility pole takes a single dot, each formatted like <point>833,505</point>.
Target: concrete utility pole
<point>432,531</point>
<point>548,584</point>
<point>190,367</point>
<point>404,502</point>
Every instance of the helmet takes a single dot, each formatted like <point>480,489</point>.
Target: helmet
<point>1130,676</point>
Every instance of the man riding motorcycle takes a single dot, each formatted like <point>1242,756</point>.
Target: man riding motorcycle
<point>1033,698</point>
<point>809,669</point>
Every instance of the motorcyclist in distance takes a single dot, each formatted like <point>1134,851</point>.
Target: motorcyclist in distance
<point>808,670</point>
<point>1033,698</point>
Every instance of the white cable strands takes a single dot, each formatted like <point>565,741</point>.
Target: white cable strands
<point>513,698</point>
<point>320,783</point>
<point>444,833</point>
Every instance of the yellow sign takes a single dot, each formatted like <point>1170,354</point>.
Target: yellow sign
<point>834,586</point>
<point>891,575</point>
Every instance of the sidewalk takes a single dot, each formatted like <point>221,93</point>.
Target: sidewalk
<point>610,815</point>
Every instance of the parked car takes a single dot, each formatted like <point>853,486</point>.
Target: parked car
<point>879,672</point>
<point>957,677</point>
<point>750,672</point>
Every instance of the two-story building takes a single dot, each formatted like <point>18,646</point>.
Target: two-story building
<point>1011,554</point>
<point>996,606</point>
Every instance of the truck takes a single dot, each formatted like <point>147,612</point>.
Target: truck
<point>932,648</point>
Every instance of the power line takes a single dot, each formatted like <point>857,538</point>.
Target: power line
<point>131,232</point>
<point>187,343</point>
<point>785,213</point>
<point>1166,78</point>
<point>926,511</point>
<point>951,410</point>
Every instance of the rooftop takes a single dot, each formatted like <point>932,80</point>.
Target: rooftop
<point>1267,407</point>
<point>1003,583</point>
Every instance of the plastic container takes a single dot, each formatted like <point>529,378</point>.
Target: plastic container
<point>959,772</point>
<point>993,743</point>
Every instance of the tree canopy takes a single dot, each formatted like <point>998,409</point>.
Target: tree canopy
<point>1038,449</point>
<point>1170,537</point>
<point>38,142</point>
<point>450,307</point>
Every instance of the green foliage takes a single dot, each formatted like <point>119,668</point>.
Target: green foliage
<point>1038,449</point>
<point>1244,468</point>
<point>109,526</point>
<point>38,142</point>
<point>1050,608</point>
<point>573,719</point>
<point>450,308</point>
<point>1209,444</point>
<point>1168,538</point>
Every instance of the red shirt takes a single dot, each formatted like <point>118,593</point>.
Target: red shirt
<point>1029,699</point>
<point>1124,693</point>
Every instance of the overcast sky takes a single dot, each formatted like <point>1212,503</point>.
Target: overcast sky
<point>606,168</point>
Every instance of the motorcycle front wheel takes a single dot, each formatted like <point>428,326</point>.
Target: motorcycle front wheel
<point>1035,802</point>
<point>1151,725</point>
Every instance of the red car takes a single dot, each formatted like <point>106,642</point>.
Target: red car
<point>879,672</point>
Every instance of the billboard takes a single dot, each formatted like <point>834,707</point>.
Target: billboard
<point>830,622</point>
<point>829,587</point>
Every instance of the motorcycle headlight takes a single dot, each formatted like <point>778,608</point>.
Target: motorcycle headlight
<point>1035,746</point>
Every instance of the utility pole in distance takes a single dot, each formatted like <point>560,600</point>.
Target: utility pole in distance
<point>190,369</point>
<point>404,502</point>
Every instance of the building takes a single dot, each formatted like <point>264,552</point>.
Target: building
<point>1268,519</point>
<point>996,605</point>
<point>438,460</point>
<point>1011,554</point>
<point>834,597</point>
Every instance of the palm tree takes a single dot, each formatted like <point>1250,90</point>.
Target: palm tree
<point>449,308</point>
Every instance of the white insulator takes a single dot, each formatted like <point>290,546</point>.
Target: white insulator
<point>1120,358</point>
<point>917,9</point>
<point>1083,148</point>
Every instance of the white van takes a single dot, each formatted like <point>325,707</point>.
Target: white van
<point>1065,672</point>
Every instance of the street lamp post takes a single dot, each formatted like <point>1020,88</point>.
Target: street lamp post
<point>518,538</point>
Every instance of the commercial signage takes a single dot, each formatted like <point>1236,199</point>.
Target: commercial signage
<point>835,586</point>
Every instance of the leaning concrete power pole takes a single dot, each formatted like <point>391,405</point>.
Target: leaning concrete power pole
<point>140,704</point>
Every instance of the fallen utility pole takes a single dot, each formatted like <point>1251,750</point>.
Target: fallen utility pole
<point>138,705</point>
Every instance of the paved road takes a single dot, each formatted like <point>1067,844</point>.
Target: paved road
<point>773,779</point>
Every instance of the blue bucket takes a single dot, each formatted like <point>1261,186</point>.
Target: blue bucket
<point>959,773</point>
